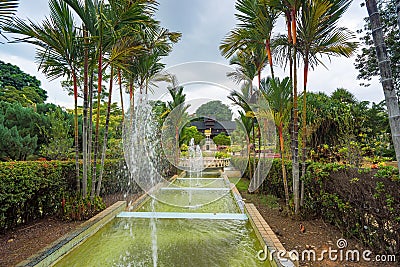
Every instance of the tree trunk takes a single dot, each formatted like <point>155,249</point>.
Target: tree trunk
<point>295,163</point>
<point>76,133</point>
<point>398,13</point>
<point>96,138</point>
<point>85,117</point>
<point>304,132</point>
<point>386,76</point>
<point>268,48</point>
<point>285,184</point>
<point>103,154</point>
<point>121,94</point>
<point>90,123</point>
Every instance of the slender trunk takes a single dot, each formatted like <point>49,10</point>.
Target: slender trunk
<point>85,117</point>
<point>281,143</point>
<point>96,138</point>
<point>90,130</point>
<point>131,101</point>
<point>295,163</point>
<point>268,48</point>
<point>290,47</point>
<point>121,94</point>
<point>304,134</point>
<point>177,147</point>
<point>76,133</point>
<point>386,76</point>
<point>103,155</point>
<point>254,148</point>
<point>398,13</point>
<point>249,156</point>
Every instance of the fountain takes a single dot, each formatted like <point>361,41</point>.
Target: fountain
<point>193,220</point>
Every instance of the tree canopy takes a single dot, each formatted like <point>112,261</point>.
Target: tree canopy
<point>215,109</point>
<point>12,77</point>
<point>366,61</point>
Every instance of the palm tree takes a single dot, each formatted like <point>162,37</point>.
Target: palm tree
<point>245,70</point>
<point>257,19</point>
<point>319,34</point>
<point>386,76</point>
<point>246,124</point>
<point>7,11</point>
<point>87,13</point>
<point>122,50</point>
<point>58,52</point>
<point>290,9</point>
<point>177,116</point>
<point>278,95</point>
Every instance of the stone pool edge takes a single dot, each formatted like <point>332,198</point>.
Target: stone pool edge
<point>265,235</point>
<point>59,248</point>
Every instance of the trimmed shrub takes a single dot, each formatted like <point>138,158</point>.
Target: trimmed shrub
<point>30,190</point>
<point>34,189</point>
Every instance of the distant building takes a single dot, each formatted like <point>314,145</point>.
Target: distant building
<point>216,127</point>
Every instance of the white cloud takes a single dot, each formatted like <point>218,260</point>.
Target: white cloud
<point>203,23</point>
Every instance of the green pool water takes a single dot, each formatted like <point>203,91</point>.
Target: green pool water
<point>180,242</point>
<point>201,182</point>
<point>127,242</point>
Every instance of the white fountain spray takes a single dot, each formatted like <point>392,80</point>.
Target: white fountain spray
<point>140,143</point>
<point>195,166</point>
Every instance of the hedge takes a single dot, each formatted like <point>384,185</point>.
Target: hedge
<point>362,203</point>
<point>34,189</point>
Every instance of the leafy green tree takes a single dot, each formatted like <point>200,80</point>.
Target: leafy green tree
<point>20,131</point>
<point>187,133</point>
<point>215,109</point>
<point>392,101</point>
<point>13,77</point>
<point>366,61</point>
<point>222,140</point>
<point>15,147</point>
<point>28,97</point>
<point>58,45</point>
<point>60,142</point>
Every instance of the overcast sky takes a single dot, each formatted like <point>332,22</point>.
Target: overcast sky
<point>203,23</point>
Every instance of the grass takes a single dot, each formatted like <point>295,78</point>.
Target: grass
<point>269,200</point>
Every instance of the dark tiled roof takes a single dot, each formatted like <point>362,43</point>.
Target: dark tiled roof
<point>216,126</point>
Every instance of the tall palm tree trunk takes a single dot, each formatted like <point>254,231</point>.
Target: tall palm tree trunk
<point>295,163</point>
<point>398,13</point>
<point>386,76</point>
<point>282,146</point>
<point>85,117</point>
<point>121,94</point>
<point>103,154</point>
<point>268,48</point>
<point>90,123</point>
<point>304,131</point>
<point>96,138</point>
<point>76,133</point>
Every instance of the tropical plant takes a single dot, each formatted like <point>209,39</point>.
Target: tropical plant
<point>319,34</point>
<point>222,140</point>
<point>58,50</point>
<point>59,143</point>
<point>245,124</point>
<point>386,76</point>
<point>366,61</point>
<point>278,94</point>
<point>7,11</point>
